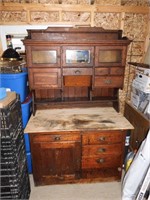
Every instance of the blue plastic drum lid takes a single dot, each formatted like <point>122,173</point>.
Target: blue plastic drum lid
<point>16,82</point>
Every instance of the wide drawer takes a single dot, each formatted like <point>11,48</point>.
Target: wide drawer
<point>77,71</point>
<point>103,161</point>
<point>94,150</point>
<point>77,81</point>
<point>103,137</point>
<point>109,81</point>
<point>56,137</point>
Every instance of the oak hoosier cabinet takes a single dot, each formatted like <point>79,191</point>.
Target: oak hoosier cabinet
<point>74,74</point>
<point>75,65</point>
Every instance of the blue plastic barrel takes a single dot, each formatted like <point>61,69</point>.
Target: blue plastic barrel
<point>16,82</point>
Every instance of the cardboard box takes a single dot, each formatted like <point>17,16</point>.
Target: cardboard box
<point>139,99</point>
<point>142,82</point>
<point>142,70</point>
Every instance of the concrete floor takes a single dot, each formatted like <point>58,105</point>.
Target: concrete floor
<point>90,191</point>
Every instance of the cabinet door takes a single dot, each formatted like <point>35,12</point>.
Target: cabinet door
<point>55,162</point>
<point>42,56</point>
<point>44,78</point>
<point>78,56</point>
<point>110,56</point>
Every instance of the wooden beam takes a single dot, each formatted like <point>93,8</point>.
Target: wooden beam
<point>68,7</point>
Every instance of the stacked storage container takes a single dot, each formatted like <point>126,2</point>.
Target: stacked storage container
<point>18,81</point>
<point>14,176</point>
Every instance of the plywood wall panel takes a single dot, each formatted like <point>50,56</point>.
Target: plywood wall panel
<point>49,1</point>
<point>13,16</point>
<point>137,48</point>
<point>44,16</point>
<point>135,2</point>
<point>76,16</point>
<point>108,2</point>
<point>135,26</point>
<point>107,20</point>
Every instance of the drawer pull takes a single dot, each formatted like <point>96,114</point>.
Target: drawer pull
<point>108,81</point>
<point>101,139</point>
<point>57,138</point>
<point>101,150</point>
<point>77,72</point>
<point>101,160</point>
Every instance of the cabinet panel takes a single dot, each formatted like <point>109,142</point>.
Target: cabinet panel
<point>108,81</point>
<point>45,78</point>
<point>78,56</point>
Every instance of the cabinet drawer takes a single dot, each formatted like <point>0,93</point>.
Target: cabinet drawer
<point>102,161</point>
<point>109,81</point>
<point>77,71</point>
<point>56,137</point>
<point>101,71</point>
<point>117,71</point>
<point>94,150</point>
<point>103,137</point>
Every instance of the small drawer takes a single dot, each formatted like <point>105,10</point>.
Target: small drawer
<point>109,81</point>
<point>94,150</point>
<point>77,71</point>
<point>101,71</point>
<point>117,71</point>
<point>103,161</point>
<point>110,137</point>
<point>56,137</point>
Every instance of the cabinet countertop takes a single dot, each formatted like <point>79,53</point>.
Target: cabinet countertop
<point>77,119</point>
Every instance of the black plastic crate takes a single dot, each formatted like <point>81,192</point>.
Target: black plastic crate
<point>12,133</point>
<point>19,190</point>
<point>13,161</point>
<point>14,177</point>
<point>15,171</point>
<point>12,149</point>
<point>11,115</point>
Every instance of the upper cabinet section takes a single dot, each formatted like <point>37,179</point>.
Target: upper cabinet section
<point>76,57</point>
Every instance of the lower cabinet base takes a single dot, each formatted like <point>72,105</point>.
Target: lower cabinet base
<point>87,176</point>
